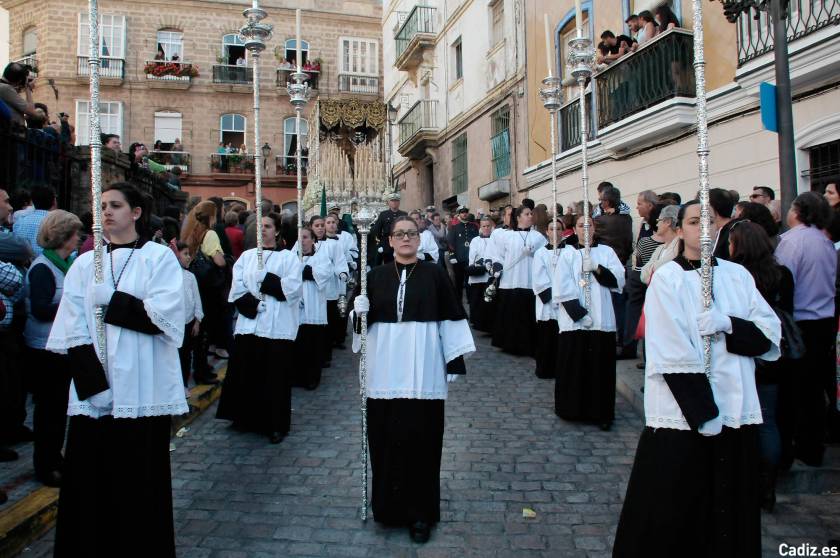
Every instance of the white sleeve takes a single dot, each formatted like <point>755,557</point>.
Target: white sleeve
<point>291,280</point>
<point>322,268</point>
<point>540,271</point>
<point>238,288</point>
<point>339,261</point>
<point>199,310</point>
<point>615,267</point>
<point>70,326</point>
<point>455,338</point>
<point>164,300</point>
<point>563,285</point>
<point>670,340</point>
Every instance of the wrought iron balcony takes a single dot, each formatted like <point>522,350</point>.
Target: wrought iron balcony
<point>418,128</point>
<point>362,85</point>
<point>284,76</point>
<point>660,70</point>
<point>110,68</point>
<point>232,163</point>
<point>234,75</point>
<point>569,116</point>
<point>287,165</point>
<point>172,159</point>
<point>30,60</point>
<point>418,32</point>
<point>755,27</point>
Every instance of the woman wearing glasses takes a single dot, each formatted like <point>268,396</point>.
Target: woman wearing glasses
<point>417,336</point>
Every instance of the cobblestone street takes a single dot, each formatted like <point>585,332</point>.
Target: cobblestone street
<point>504,450</point>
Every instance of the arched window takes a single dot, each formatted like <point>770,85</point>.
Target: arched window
<point>30,41</point>
<point>232,129</point>
<point>290,141</point>
<point>233,48</point>
<point>291,51</point>
<point>171,43</point>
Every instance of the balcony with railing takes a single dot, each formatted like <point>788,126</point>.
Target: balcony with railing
<point>30,60</point>
<point>287,165</point>
<point>419,129</point>
<point>284,76</point>
<point>358,84</point>
<point>569,116</point>
<point>226,75</point>
<point>418,32</point>
<point>169,74</point>
<point>172,159</point>
<point>231,163</point>
<point>111,70</point>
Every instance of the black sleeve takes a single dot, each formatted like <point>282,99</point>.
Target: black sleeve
<point>428,257</point>
<point>476,270</point>
<point>41,293</point>
<point>545,296</point>
<point>307,273</point>
<point>89,377</point>
<point>694,396</point>
<point>497,267</point>
<point>272,286</point>
<point>128,311</point>
<point>746,339</point>
<point>357,324</point>
<point>456,366</point>
<point>605,277</point>
<point>247,305</point>
<point>786,288</point>
<point>574,309</point>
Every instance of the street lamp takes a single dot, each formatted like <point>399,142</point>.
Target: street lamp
<point>266,153</point>
<point>392,118</point>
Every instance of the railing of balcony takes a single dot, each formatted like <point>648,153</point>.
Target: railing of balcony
<point>113,68</point>
<point>232,163</point>
<point>172,159</point>
<point>287,165</point>
<point>755,27</point>
<point>421,19</point>
<point>363,85</point>
<point>569,116</point>
<point>421,116</point>
<point>284,76</point>
<point>660,70</point>
<point>227,73</point>
<point>29,60</point>
<point>161,70</point>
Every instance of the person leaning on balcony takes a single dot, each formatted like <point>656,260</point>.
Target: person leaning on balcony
<point>634,25</point>
<point>666,18</point>
<point>614,47</point>
<point>15,81</point>
<point>647,29</point>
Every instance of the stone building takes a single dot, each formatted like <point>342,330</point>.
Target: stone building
<point>643,119</point>
<point>454,81</point>
<point>199,89</point>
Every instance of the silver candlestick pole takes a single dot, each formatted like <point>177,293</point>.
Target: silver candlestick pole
<point>703,166</point>
<point>552,96</point>
<point>582,61</point>
<point>255,34</point>
<point>95,142</point>
<point>299,96</point>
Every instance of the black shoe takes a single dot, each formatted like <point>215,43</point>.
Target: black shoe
<point>768,491</point>
<point>3,497</point>
<point>276,437</point>
<point>420,532</point>
<point>208,380</point>
<point>625,354</point>
<point>7,454</point>
<point>52,478</point>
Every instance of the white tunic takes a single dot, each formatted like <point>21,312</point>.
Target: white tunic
<point>479,250</point>
<point>673,344</point>
<point>313,304</point>
<point>428,245</point>
<point>351,247</point>
<point>542,273</point>
<point>338,278</point>
<point>144,372</point>
<point>192,298</point>
<point>280,319</point>
<point>566,286</point>
<point>515,251</point>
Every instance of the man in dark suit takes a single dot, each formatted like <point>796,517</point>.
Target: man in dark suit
<point>379,249</point>
<point>459,237</point>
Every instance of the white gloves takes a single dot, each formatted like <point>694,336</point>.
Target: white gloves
<point>712,321</point>
<point>379,249</point>
<point>261,307</point>
<point>453,261</point>
<point>588,265</point>
<point>361,305</point>
<point>585,322</point>
<point>451,378</point>
<point>102,293</point>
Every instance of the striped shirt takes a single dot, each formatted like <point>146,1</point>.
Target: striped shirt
<point>645,247</point>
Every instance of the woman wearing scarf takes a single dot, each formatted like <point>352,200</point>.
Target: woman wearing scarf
<point>59,237</point>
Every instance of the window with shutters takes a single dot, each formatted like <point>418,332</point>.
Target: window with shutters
<point>290,142</point>
<point>358,56</point>
<point>459,164</point>
<point>171,43</point>
<point>457,60</point>
<point>167,129</point>
<point>500,142</point>
<point>825,165</point>
<point>110,120</point>
<point>497,22</point>
<point>111,36</point>
<point>30,41</point>
<point>232,130</point>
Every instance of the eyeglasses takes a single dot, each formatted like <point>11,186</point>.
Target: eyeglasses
<point>401,235</point>
<point>736,223</point>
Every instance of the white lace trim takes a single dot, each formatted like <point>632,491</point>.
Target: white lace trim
<point>129,411</point>
<point>679,423</point>
<point>61,345</point>
<point>676,368</point>
<point>460,351</point>
<point>406,394</point>
<point>176,334</point>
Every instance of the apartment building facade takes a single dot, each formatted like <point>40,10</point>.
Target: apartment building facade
<point>179,71</point>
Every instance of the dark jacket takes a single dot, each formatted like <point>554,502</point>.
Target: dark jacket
<point>459,237</point>
<point>616,231</point>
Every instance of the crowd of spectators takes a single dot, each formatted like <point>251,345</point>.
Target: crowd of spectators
<point>641,28</point>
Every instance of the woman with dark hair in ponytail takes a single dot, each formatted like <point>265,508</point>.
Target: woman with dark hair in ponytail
<point>117,455</point>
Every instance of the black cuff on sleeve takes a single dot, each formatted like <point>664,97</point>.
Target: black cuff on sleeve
<point>428,257</point>
<point>456,366</point>
<point>128,311</point>
<point>746,339</point>
<point>545,296</point>
<point>606,278</point>
<point>476,270</point>
<point>247,305</point>
<point>272,286</point>
<point>694,396</point>
<point>574,309</point>
<point>357,324</point>
<point>307,273</point>
<point>497,267</point>
<point>89,377</point>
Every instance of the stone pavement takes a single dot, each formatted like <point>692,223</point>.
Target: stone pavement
<point>235,495</point>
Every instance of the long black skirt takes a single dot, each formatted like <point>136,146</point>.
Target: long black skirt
<point>309,349</point>
<point>336,325</point>
<point>692,495</point>
<point>116,493</point>
<point>482,313</point>
<point>546,350</point>
<point>585,387</point>
<point>515,323</point>
<point>256,394</point>
<point>405,437</point>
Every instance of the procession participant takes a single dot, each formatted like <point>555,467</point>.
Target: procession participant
<point>378,243</point>
<point>417,336</point>
<point>585,386</point>
<point>428,250</point>
<point>459,237</point>
<point>317,270</point>
<point>347,251</point>
<point>543,274</point>
<point>481,312</point>
<point>193,314</point>
<point>694,483</point>
<point>117,455</point>
<point>335,228</point>
<point>336,325</point>
<point>513,253</point>
<point>256,395</point>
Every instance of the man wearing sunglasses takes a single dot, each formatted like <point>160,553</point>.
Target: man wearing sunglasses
<point>762,195</point>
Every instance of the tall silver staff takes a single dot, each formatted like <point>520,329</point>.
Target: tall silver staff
<point>552,95</point>
<point>298,96</point>
<point>255,34</point>
<point>582,60</point>
<point>703,167</point>
<point>96,170</point>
